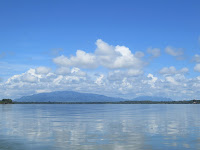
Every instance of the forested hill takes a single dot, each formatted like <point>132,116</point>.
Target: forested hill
<point>67,96</point>
<point>71,96</point>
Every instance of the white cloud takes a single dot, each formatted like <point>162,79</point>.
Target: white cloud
<point>184,70</point>
<point>117,83</point>
<point>139,54</point>
<point>116,57</point>
<point>77,71</point>
<point>43,91</point>
<point>9,69</point>
<point>104,49</point>
<point>171,80</point>
<point>197,67</point>
<point>30,82</point>
<point>62,61</point>
<point>174,51</point>
<point>29,78</point>
<point>172,70</point>
<point>63,71</point>
<point>108,56</point>
<point>196,58</point>
<point>155,52</point>
<point>82,60</point>
<point>42,70</point>
<point>99,80</point>
<point>134,72</point>
<point>152,80</point>
<point>122,75</point>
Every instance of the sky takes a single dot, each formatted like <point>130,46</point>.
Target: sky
<point>116,48</point>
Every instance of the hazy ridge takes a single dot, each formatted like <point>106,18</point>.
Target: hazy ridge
<point>71,96</point>
<point>68,96</point>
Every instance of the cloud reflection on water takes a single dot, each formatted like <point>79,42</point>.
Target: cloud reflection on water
<point>101,126</point>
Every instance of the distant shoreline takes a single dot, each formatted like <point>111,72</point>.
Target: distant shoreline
<point>122,102</point>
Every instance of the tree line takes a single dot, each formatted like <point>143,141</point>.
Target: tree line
<point>6,101</point>
<point>121,102</point>
<point>9,101</point>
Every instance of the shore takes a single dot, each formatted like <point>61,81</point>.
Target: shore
<point>122,102</point>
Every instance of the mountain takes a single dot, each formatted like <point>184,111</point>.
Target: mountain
<point>151,98</point>
<point>67,96</point>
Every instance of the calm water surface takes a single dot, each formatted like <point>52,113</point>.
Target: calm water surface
<point>99,127</point>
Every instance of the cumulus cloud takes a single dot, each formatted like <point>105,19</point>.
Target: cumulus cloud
<point>155,52</point>
<point>172,70</point>
<point>134,72</point>
<point>63,70</point>
<point>29,78</point>
<point>171,80</point>
<point>151,80</point>
<point>116,57</point>
<point>77,71</point>
<point>42,70</point>
<point>123,75</point>
<point>120,74</point>
<point>31,82</point>
<point>82,60</point>
<point>117,83</point>
<point>99,80</point>
<point>197,67</point>
<point>108,56</point>
<point>174,51</point>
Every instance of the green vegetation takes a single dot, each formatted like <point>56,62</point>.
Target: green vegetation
<point>6,101</point>
<point>121,102</point>
<point>9,101</point>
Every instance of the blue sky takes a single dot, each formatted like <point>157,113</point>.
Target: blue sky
<point>166,34</point>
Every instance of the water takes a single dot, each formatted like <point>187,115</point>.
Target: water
<point>99,127</point>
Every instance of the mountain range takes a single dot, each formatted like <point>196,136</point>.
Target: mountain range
<point>71,96</point>
<point>68,96</point>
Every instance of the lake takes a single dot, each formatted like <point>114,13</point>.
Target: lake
<point>99,126</point>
